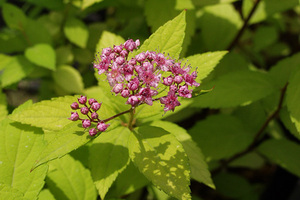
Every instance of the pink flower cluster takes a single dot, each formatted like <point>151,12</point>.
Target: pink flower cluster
<point>137,78</point>
<point>91,112</point>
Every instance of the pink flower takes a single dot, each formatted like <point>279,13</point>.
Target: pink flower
<point>91,101</point>
<point>170,101</point>
<point>133,101</point>
<point>133,84</point>
<point>94,115</point>
<point>189,79</point>
<point>118,88</point>
<point>184,92</point>
<point>168,80</point>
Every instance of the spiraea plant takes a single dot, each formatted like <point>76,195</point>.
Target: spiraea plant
<point>120,120</point>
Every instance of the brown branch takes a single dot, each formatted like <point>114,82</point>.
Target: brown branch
<point>241,31</point>
<point>256,139</point>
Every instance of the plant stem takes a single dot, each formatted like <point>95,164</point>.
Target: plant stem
<point>117,115</point>
<point>256,141</point>
<point>130,125</point>
<point>245,24</point>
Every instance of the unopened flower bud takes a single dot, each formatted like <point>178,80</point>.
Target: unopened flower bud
<point>74,106</point>
<point>86,123</point>
<point>118,88</point>
<point>120,60</point>
<point>168,81</point>
<point>74,116</point>
<point>84,110</point>
<point>125,93</point>
<point>101,126</point>
<point>94,115</point>
<point>96,106</point>
<point>91,101</point>
<point>93,132</point>
<point>133,100</point>
<point>82,99</point>
<point>178,79</point>
<point>140,57</point>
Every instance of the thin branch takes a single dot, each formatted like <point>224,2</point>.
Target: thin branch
<point>256,139</point>
<point>241,31</point>
<point>117,115</point>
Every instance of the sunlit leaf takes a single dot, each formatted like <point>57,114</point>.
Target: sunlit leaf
<point>104,168</point>
<point>76,31</point>
<point>236,88</point>
<point>42,55</point>
<point>161,158</point>
<point>20,145</point>
<point>199,168</point>
<point>69,79</point>
<point>68,179</point>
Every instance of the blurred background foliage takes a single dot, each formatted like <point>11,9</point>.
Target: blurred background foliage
<point>247,127</point>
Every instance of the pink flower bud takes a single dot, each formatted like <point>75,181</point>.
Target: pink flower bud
<point>74,116</point>
<point>91,101</point>
<point>178,79</point>
<point>133,85</point>
<point>84,110</point>
<point>140,57</point>
<point>93,132</point>
<point>124,53</point>
<point>96,106</point>
<point>125,93</point>
<point>137,42</point>
<point>101,126</point>
<point>106,51</point>
<point>74,106</point>
<point>94,115</point>
<point>130,45</point>
<point>118,88</point>
<point>86,123</point>
<point>120,60</point>
<point>168,80</point>
<point>133,100</point>
<point>82,99</point>
<point>118,49</point>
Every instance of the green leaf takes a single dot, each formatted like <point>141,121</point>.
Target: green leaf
<point>108,158</point>
<point>64,55</point>
<point>4,60</point>
<point>161,158</point>
<point>204,63</point>
<point>76,31</point>
<point>42,55</point>
<point>20,145</point>
<point>264,36</point>
<point>201,3</point>
<point>64,141</point>
<point>199,168</point>
<point>238,188</point>
<point>219,24</point>
<point>16,70</point>
<point>236,88</point>
<point>293,99</point>
<point>284,69</point>
<point>220,136</point>
<point>161,14</point>
<point>168,38</point>
<point>282,152</point>
<point>3,105</point>
<point>123,185</point>
<point>267,8</point>
<point>88,3</point>
<point>49,114</point>
<point>13,16</point>
<point>108,39</point>
<point>9,193</point>
<point>70,180</point>
<point>287,121</point>
<point>36,37</point>
<point>69,79</point>
<point>45,194</point>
